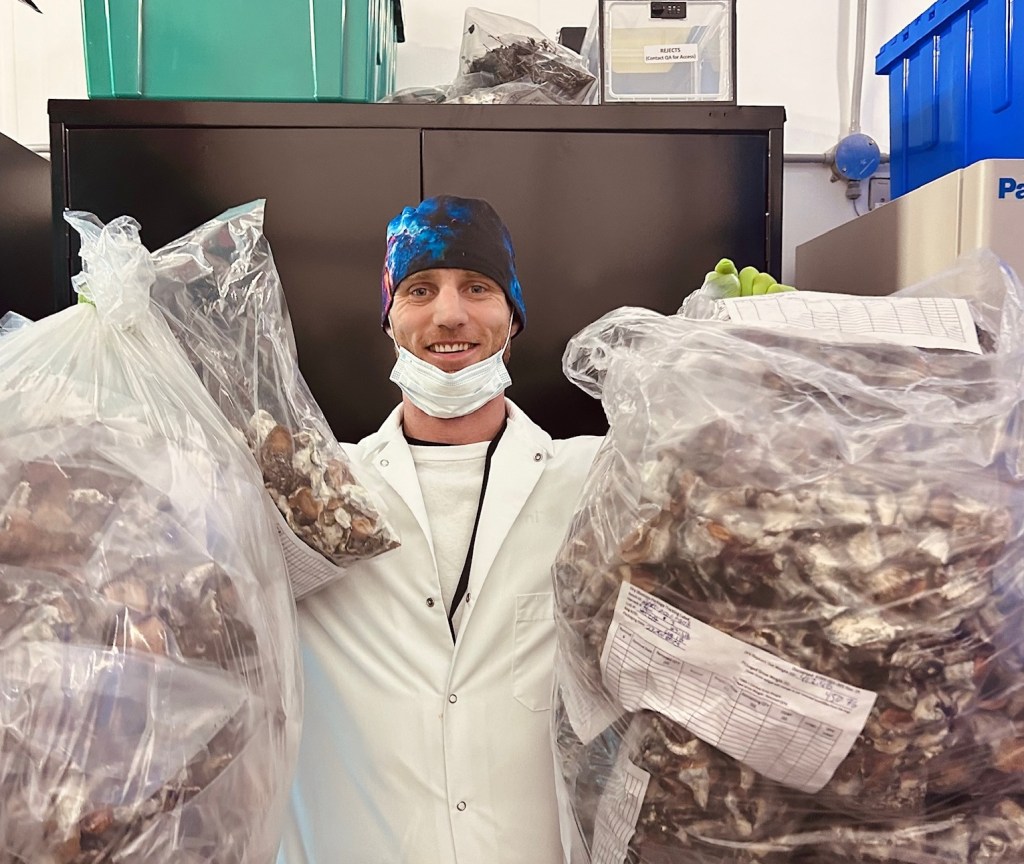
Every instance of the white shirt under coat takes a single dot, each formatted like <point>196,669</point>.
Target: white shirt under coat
<point>415,751</point>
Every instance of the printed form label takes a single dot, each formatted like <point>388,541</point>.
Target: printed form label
<point>923,322</point>
<point>618,812</point>
<point>787,723</point>
<point>589,713</point>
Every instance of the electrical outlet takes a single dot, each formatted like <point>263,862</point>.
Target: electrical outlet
<point>878,192</point>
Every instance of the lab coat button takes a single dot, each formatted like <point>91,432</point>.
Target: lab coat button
<point>537,457</point>
<point>461,805</point>
<point>430,602</point>
<point>453,698</point>
<point>383,463</point>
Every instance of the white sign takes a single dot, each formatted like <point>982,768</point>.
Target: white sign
<point>685,53</point>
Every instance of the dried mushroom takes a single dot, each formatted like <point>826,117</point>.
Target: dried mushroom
<point>94,593</point>
<point>856,510</point>
<point>317,493</point>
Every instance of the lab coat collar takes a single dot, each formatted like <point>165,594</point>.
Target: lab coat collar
<point>389,452</point>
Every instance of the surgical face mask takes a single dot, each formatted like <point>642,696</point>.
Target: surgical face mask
<point>451,394</point>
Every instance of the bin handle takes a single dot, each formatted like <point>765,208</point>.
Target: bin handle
<point>931,139</point>
<point>327,19</point>
<point>124,24</point>
<point>1003,97</point>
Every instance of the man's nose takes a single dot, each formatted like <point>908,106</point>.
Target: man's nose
<point>449,308</point>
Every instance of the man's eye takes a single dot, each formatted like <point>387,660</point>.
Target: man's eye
<point>417,291</point>
<point>479,289</point>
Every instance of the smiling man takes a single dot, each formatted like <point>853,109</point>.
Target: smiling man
<point>428,669</point>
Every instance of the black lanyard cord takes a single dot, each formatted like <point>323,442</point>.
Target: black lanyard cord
<point>460,589</point>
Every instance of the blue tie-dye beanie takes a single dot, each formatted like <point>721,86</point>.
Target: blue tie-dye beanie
<point>445,231</point>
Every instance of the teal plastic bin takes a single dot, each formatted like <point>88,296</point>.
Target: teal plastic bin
<point>291,50</point>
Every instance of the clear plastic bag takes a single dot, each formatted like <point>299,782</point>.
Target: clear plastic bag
<point>430,95</point>
<point>505,61</point>
<point>508,51</point>
<point>12,321</point>
<point>220,292</point>
<point>850,513</point>
<point>151,700</point>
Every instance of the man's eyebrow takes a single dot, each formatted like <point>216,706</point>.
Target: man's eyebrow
<point>414,282</point>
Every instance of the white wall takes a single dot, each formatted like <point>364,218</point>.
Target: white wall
<point>795,53</point>
<point>41,58</point>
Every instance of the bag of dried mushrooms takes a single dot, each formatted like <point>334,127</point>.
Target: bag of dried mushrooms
<point>149,692</point>
<point>789,608</point>
<point>220,292</point>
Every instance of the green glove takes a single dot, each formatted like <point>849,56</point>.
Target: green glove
<point>725,281</point>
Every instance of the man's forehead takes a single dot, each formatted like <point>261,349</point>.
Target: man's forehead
<point>441,274</point>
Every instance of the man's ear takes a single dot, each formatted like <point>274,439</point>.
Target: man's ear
<point>516,324</point>
<point>390,335</point>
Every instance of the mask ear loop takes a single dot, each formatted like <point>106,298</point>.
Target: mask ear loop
<point>508,338</point>
<point>391,333</point>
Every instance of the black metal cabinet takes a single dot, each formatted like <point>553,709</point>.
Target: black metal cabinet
<point>24,231</point>
<point>605,219</point>
<point>607,205</point>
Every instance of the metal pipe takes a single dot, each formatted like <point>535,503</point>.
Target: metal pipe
<point>858,66</point>
<point>819,158</point>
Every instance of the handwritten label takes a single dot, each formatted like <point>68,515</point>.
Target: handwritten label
<point>790,724</point>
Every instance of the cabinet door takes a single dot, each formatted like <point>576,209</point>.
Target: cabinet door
<point>601,220</point>
<point>24,232</point>
<point>330,194</point>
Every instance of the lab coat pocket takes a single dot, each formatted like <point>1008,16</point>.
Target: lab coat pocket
<point>533,654</point>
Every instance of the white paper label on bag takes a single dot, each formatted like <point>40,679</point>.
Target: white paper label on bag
<point>618,812</point>
<point>670,53</point>
<point>589,714</point>
<point>787,723</point>
<point>923,322</point>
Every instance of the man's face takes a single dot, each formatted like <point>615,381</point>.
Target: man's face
<point>450,318</point>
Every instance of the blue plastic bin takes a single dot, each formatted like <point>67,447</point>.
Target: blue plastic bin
<point>327,50</point>
<point>956,90</point>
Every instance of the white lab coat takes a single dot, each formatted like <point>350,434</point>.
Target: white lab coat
<point>414,752</point>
